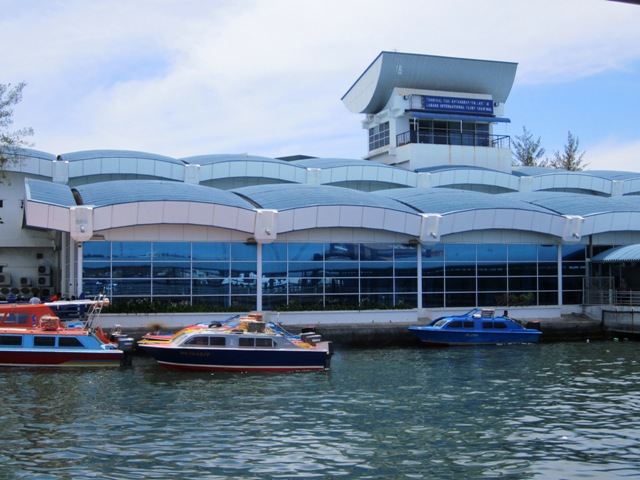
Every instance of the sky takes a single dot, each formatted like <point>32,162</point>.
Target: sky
<point>266,77</point>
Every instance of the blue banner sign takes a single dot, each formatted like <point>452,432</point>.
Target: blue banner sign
<point>457,105</point>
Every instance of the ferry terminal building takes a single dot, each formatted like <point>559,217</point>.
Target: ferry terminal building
<point>434,217</point>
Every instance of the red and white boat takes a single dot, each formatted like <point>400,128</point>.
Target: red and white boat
<point>32,335</point>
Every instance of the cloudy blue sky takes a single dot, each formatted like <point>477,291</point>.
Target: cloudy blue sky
<point>265,77</point>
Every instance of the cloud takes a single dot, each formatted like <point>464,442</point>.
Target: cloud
<point>613,155</point>
<point>192,77</point>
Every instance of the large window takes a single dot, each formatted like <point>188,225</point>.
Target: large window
<point>312,275</point>
<point>379,136</point>
<point>334,275</point>
<point>500,275</point>
<point>449,133</point>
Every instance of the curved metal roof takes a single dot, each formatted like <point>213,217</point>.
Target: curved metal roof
<point>290,196</point>
<point>30,153</point>
<point>372,90</point>
<point>115,154</point>
<point>49,192</point>
<point>565,203</point>
<point>449,200</point>
<point>610,174</point>
<point>604,174</point>
<point>221,158</point>
<point>627,253</point>
<point>448,168</point>
<point>131,191</point>
<point>532,171</point>
<point>325,163</point>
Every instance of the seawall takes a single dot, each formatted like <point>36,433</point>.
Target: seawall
<point>374,328</point>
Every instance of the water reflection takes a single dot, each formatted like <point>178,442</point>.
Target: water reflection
<point>547,411</point>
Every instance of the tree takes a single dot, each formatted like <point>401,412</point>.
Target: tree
<point>571,159</point>
<point>10,141</point>
<point>528,151</point>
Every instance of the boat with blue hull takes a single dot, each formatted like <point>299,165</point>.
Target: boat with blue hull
<point>33,335</point>
<point>245,345</point>
<point>476,327</point>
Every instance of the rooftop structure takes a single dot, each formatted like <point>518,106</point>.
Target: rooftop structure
<point>434,216</point>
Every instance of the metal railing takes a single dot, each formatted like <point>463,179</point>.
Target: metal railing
<point>623,298</point>
<point>602,291</point>
<point>444,137</point>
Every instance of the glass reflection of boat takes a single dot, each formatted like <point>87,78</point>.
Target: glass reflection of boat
<point>245,344</point>
<point>32,335</point>
<point>476,327</point>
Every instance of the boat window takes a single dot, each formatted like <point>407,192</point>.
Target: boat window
<point>44,341</point>
<point>455,324</point>
<point>198,342</point>
<point>440,323</point>
<point>468,324</point>
<point>16,318</point>
<point>499,325</point>
<point>217,341</point>
<point>13,340</point>
<point>264,342</point>
<point>246,342</point>
<point>487,324</point>
<point>70,342</point>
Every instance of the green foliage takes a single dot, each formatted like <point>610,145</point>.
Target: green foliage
<point>571,159</point>
<point>515,299</point>
<point>527,151</point>
<point>144,306</point>
<point>10,141</point>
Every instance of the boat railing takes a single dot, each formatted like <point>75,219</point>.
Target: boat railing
<point>95,309</point>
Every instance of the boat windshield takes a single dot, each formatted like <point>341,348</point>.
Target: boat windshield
<point>206,341</point>
<point>16,318</point>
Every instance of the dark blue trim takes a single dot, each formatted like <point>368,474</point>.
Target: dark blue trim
<point>458,117</point>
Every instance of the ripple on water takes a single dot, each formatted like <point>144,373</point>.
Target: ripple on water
<point>547,411</point>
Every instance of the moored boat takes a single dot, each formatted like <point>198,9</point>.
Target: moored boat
<point>476,327</point>
<point>164,336</point>
<point>247,344</point>
<point>32,335</point>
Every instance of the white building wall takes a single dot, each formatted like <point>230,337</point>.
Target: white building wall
<point>22,251</point>
<point>414,156</point>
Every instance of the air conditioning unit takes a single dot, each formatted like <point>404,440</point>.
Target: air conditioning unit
<point>5,279</point>
<point>25,282</point>
<point>44,280</point>
<point>44,270</point>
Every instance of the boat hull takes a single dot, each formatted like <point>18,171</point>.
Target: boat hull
<point>436,337</point>
<point>238,360</point>
<point>57,358</point>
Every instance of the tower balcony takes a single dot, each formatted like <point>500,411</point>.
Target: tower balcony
<point>470,139</point>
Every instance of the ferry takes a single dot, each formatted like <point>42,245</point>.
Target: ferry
<point>246,344</point>
<point>33,335</point>
<point>476,327</point>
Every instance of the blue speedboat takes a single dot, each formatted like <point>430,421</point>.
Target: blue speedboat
<point>476,327</point>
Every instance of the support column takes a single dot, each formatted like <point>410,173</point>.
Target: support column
<point>560,274</point>
<point>419,260</point>
<point>259,278</point>
<point>78,261</point>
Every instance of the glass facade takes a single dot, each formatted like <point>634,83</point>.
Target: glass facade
<point>334,275</point>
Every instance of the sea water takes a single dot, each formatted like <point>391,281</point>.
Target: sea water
<point>546,411</point>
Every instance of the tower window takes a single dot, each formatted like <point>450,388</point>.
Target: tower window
<point>379,136</point>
